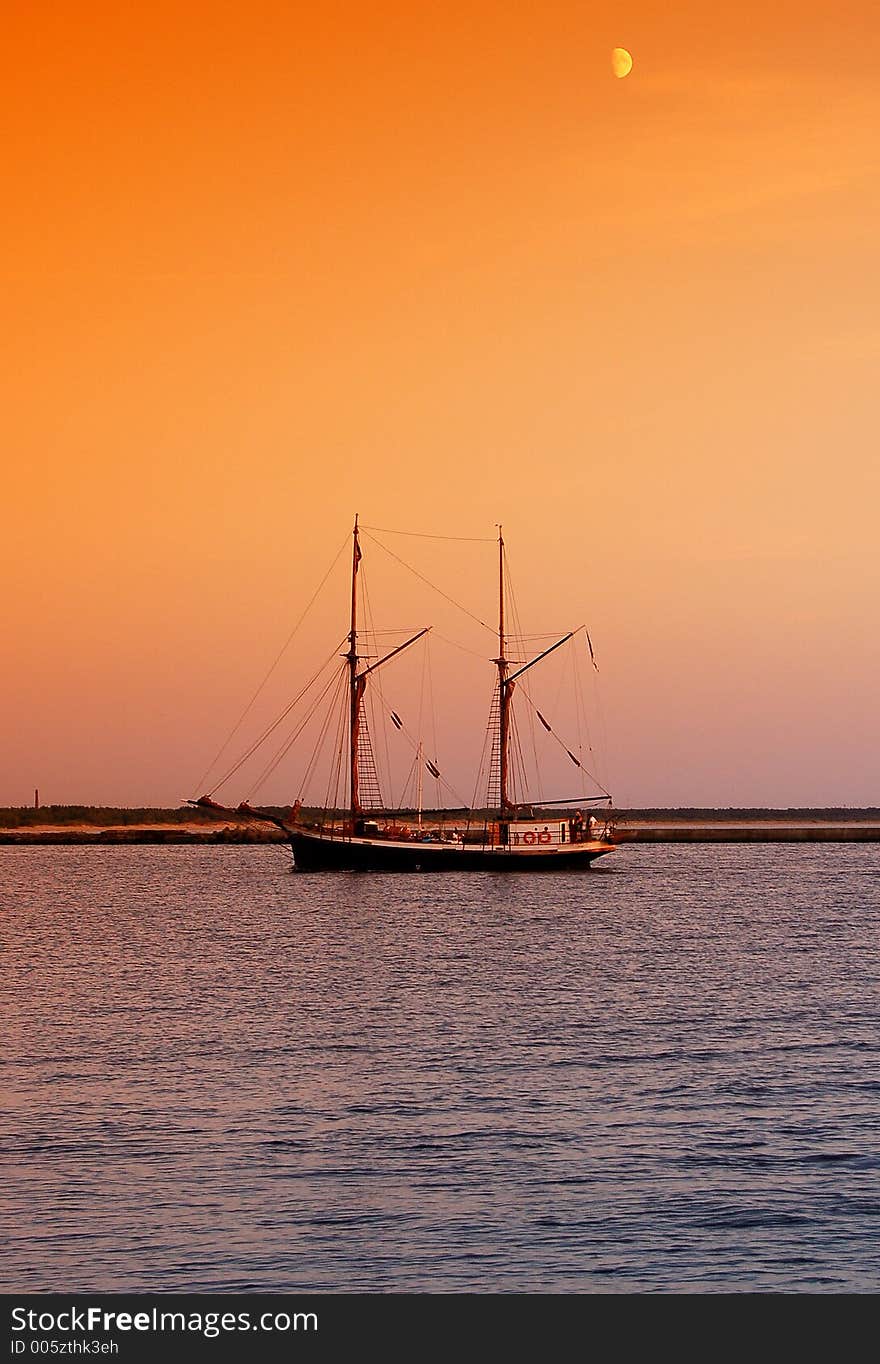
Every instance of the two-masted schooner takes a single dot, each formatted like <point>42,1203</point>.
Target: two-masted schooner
<point>512,836</point>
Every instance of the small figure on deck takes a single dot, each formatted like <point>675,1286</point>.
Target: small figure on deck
<point>594,827</point>
<point>577,827</point>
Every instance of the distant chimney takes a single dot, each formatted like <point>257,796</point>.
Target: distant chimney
<point>36,798</point>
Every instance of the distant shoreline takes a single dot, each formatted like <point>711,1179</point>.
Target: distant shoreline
<point>80,825</point>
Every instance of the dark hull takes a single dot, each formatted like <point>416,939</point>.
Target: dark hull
<point>311,852</point>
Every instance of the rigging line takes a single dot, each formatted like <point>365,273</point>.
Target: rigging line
<point>595,682</point>
<point>306,781</point>
<point>578,705</point>
<point>524,639</point>
<point>410,777</point>
<point>335,706</point>
<point>368,700</point>
<point>517,778</point>
<point>422,691</point>
<point>341,795</point>
<point>283,651</point>
<point>336,778</point>
<point>378,732</point>
<point>335,703</point>
<point>332,799</point>
<point>288,743</point>
<point>463,647</point>
<point>433,586</point>
<point>275,723</point>
<point>534,738</point>
<point>422,535</point>
<point>569,660</point>
<point>432,711</point>
<point>560,680</point>
<point>271,728</point>
<point>517,738</point>
<point>555,736</point>
<point>414,745</point>
<point>519,635</point>
<point>418,778</point>
<point>484,759</point>
<point>581,694</point>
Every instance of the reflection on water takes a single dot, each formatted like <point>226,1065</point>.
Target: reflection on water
<point>659,1075</point>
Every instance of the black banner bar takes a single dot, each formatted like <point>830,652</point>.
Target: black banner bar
<point>170,1327</point>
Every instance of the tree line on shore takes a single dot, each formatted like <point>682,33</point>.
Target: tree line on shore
<point>23,817</point>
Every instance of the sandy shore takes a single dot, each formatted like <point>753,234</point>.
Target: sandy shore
<point>190,832</point>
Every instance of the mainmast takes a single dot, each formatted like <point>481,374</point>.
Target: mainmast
<point>505,688</point>
<point>356,684</point>
<point>506,684</point>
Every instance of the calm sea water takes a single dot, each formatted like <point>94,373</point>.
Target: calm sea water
<point>662,1075</point>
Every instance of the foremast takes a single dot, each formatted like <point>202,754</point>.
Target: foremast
<point>505,692</point>
<point>357,682</point>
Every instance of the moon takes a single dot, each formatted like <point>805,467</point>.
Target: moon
<point>621,62</point>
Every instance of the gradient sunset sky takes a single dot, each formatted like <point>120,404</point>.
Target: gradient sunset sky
<point>267,265</point>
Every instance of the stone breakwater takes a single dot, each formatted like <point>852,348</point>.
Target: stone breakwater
<point>763,832</point>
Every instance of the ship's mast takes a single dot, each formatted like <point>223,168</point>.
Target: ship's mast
<point>356,687</point>
<point>357,682</point>
<point>504,690</point>
<point>419,761</point>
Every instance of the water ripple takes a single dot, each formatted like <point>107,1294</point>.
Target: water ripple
<point>221,1077</point>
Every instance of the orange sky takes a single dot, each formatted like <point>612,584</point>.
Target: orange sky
<point>265,267</point>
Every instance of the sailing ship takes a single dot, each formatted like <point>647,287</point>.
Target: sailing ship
<point>508,835</point>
